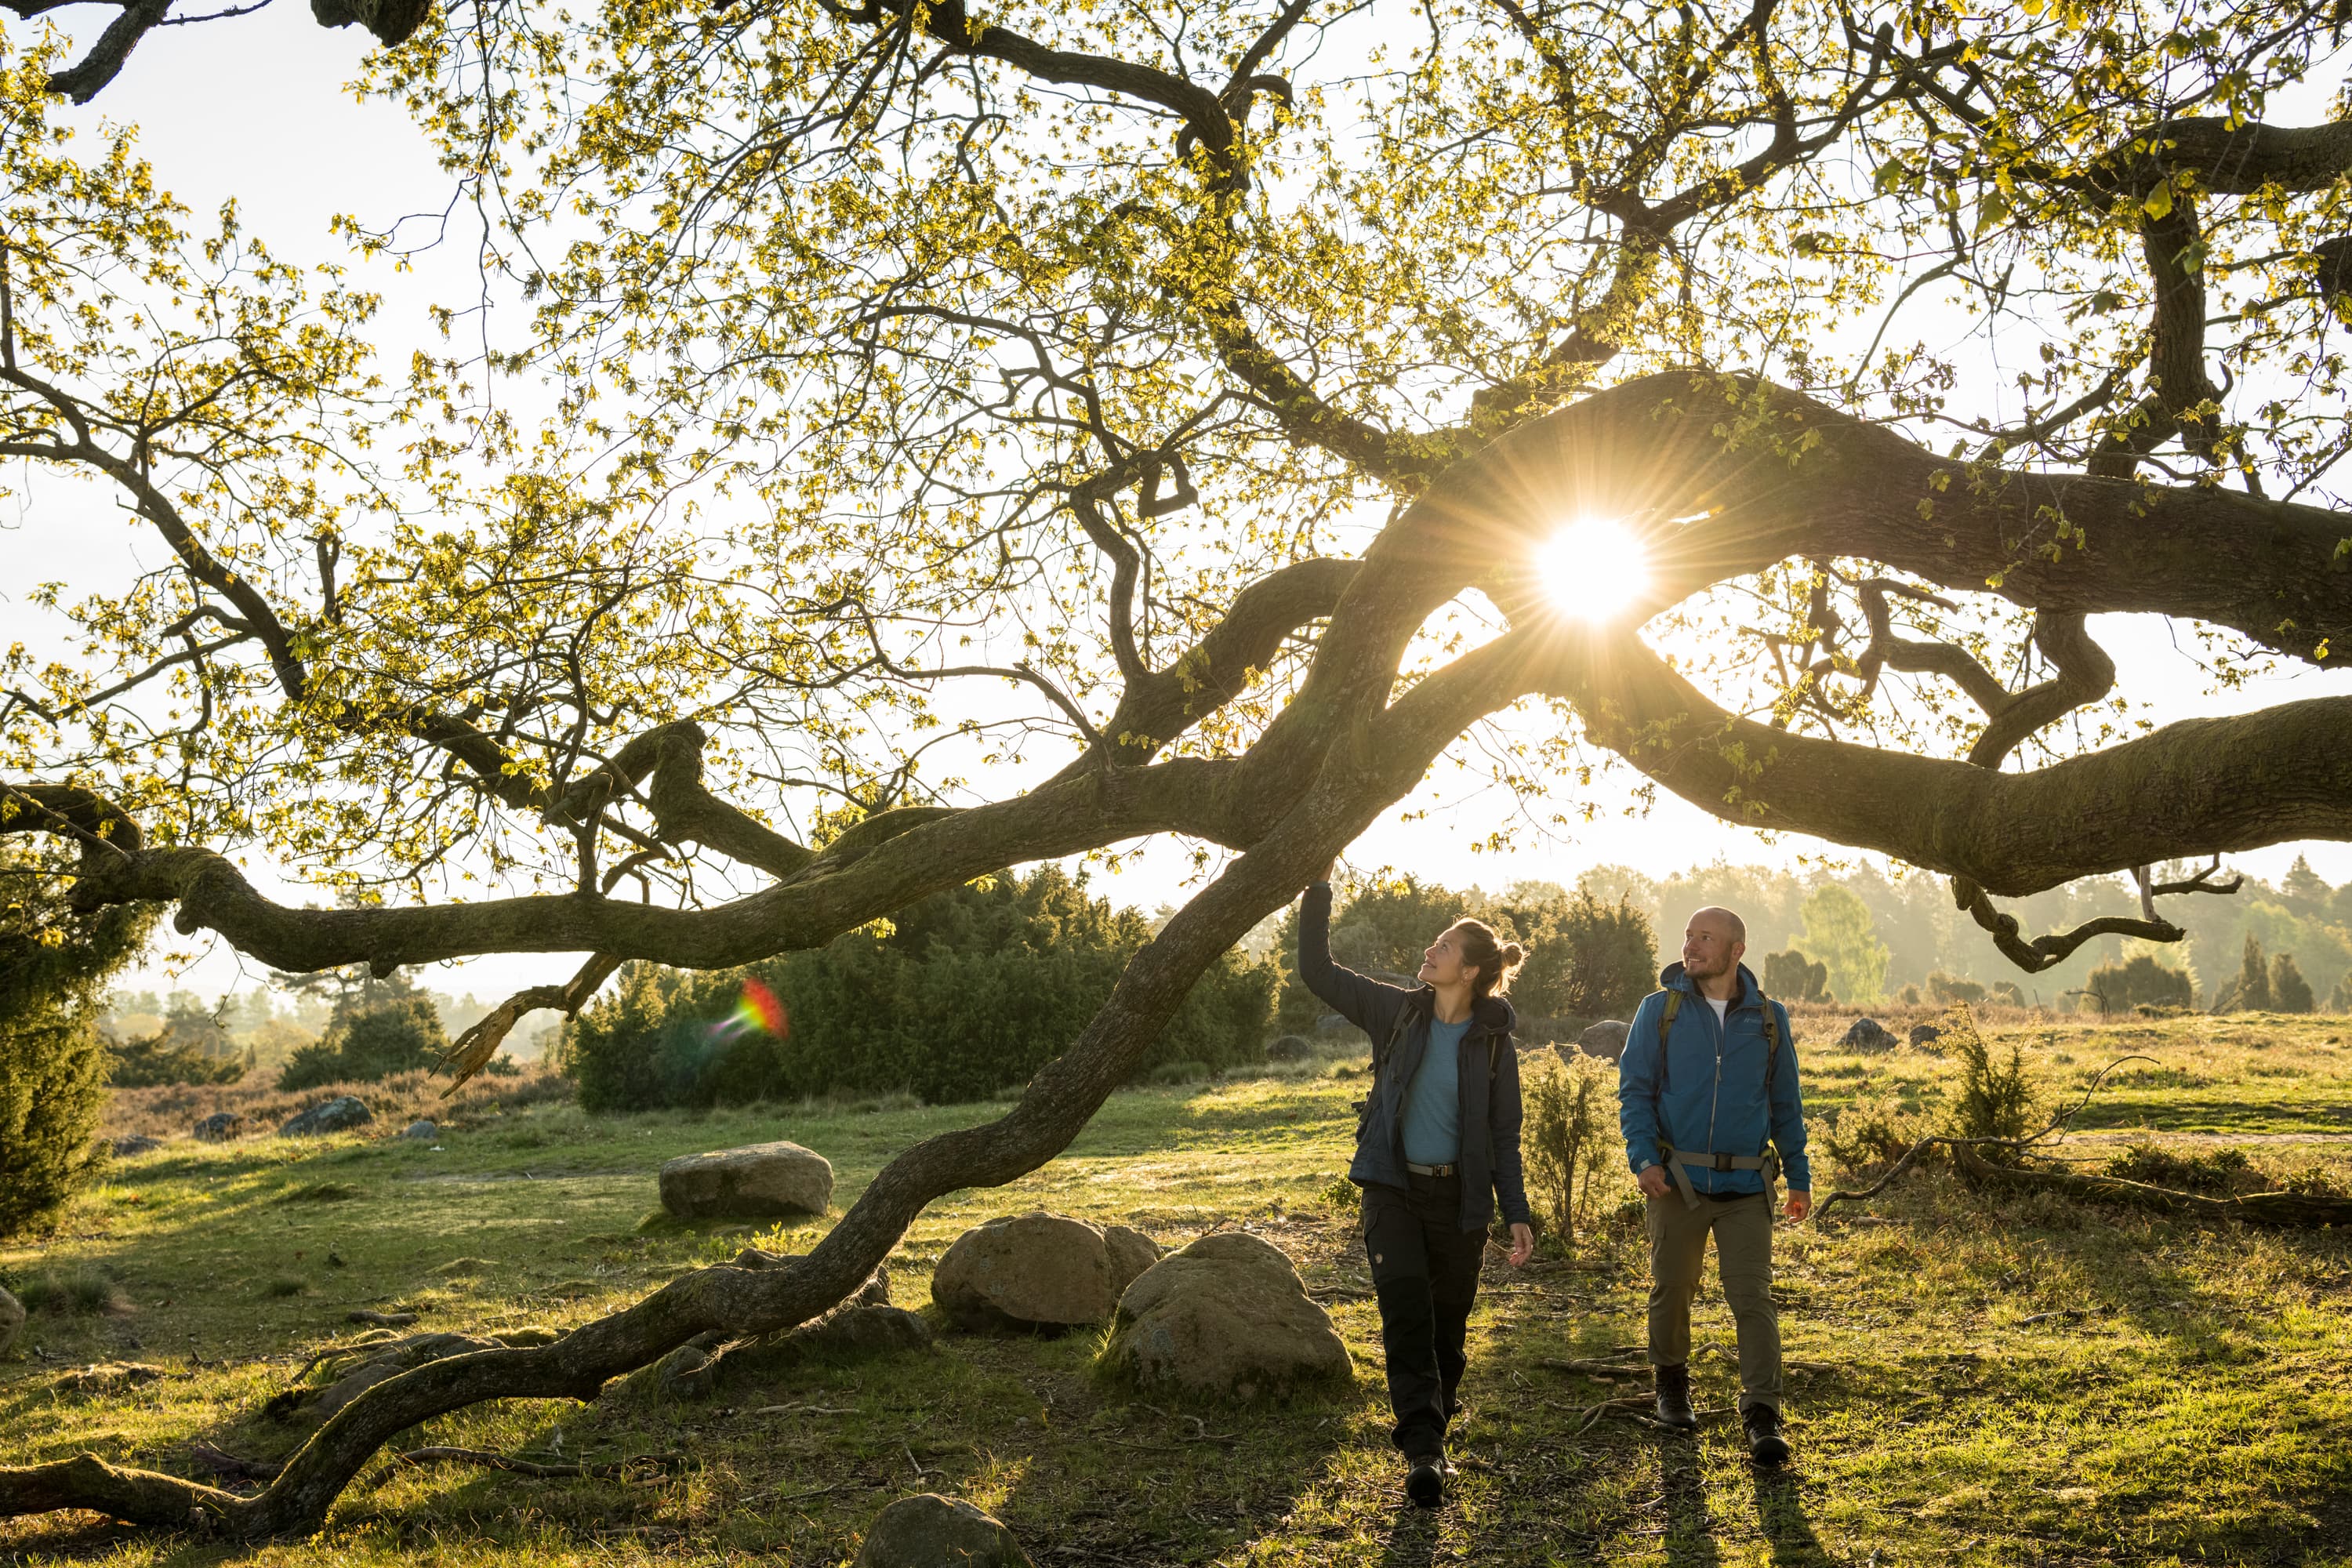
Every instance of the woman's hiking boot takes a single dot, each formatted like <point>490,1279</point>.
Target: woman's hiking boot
<point>1674,1399</point>
<point>1426,1483</point>
<point>1765,1444</point>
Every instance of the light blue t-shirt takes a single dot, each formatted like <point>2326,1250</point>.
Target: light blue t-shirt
<point>1433,1102</point>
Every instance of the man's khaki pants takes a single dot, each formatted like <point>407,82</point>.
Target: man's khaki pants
<point>1743,1251</point>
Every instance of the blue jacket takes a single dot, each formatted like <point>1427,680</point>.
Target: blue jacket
<point>1490,1074</point>
<point>1707,1097</point>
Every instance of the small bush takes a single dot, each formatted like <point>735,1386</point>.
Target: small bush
<point>80,1290</point>
<point>1868,1136</point>
<point>1997,1098</point>
<point>146,1063</point>
<point>1569,1138</point>
<point>369,1043</point>
<point>2141,981</point>
<point>2290,991</point>
<point>1340,1192</point>
<point>1953,989</point>
<point>1793,977</point>
<point>2317,1181</point>
<point>1180,1072</point>
<point>2225,1171</point>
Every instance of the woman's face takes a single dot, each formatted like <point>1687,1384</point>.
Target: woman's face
<point>1441,962</point>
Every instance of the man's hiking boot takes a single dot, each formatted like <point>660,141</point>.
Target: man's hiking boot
<point>1765,1444</point>
<point>1425,1485</point>
<point>1674,1399</point>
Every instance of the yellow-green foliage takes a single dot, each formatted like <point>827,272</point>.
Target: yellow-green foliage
<point>1569,1138</point>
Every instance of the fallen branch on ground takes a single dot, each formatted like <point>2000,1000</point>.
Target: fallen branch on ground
<point>1958,1144</point>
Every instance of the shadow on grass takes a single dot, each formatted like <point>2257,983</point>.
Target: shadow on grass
<point>1413,1539</point>
<point>1682,1489</point>
<point>1781,1513</point>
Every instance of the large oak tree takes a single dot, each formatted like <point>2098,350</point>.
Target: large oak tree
<point>1210,380</point>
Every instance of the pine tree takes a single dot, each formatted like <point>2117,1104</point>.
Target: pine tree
<point>2250,991</point>
<point>54,969</point>
<point>2290,991</point>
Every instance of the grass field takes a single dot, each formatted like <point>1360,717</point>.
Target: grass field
<point>1982,1379</point>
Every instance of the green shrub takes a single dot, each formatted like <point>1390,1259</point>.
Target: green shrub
<point>971,993</point>
<point>1865,1138</point>
<point>154,1060</point>
<point>2141,979</point>
<point>370,1041</point>
<point>2221,1170</point>
<point>53,967</point>
<point>2248,991</point>
<point>1997,1098</point>
<point>1180,1073</point>
<point>1569,1138</point>
<point>1949,989</point>
<point>78,1290</point>
<point>1793,977</point>
<point>2290,991</point>
<point>1586,958</point>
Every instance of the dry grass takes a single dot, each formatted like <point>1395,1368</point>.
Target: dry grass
<point>169,1111</point>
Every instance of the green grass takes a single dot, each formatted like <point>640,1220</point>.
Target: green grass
<point>1990,1380</point>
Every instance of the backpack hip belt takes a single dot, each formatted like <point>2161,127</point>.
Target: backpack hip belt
<point>1679,1165</point>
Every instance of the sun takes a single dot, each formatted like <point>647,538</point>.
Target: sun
<point>1593,568</point>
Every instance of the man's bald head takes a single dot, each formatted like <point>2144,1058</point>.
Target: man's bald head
<point>1713,943</point>
<point>1724,920</point>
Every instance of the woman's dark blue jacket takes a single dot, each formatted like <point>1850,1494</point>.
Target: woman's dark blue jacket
<point>1489,1076</point>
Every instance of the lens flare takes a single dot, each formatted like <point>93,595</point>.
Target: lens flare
<point>762,1009</point>
<point>1593,568</point>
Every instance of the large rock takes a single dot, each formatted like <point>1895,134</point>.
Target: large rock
<point>421,1131</point>
<point>757,1182</point>
<point>1038,1270</point>
<point>1924,1035</point>
<point>340,1114</point>
<point>137,1144</point>
<point>1225,1317</point>
<point>935,1531</point>
<point>1605,1039</point>
<point>1869,1034</point>
<point>219,1127</point>
<point>11,1320</point>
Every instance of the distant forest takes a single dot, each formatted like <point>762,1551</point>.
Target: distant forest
<point>1915,924</point>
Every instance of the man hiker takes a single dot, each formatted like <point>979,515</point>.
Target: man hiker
<point>1707,1097</point>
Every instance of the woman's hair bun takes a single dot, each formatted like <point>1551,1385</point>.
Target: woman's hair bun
<point>1514,955</point>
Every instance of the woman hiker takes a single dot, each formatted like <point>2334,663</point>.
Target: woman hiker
<point>1437,1146</point>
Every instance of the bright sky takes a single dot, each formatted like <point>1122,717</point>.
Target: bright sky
<point>253,108</point>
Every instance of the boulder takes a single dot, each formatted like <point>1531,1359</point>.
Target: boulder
<point>760,1181</point>
<point>219,1127</point>
<point>1869,1034</point>
<point>422,1131</point>
<point>935,1531</point>
<point>337,1115</point>
<point>1038,1271</point>
<point>11,1320</point>
<point>1226,1317</point>
<point>137,1144</point>
<point>1290,1048</point>
<point>1926,1033</point>
<point>1605,1039</point>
